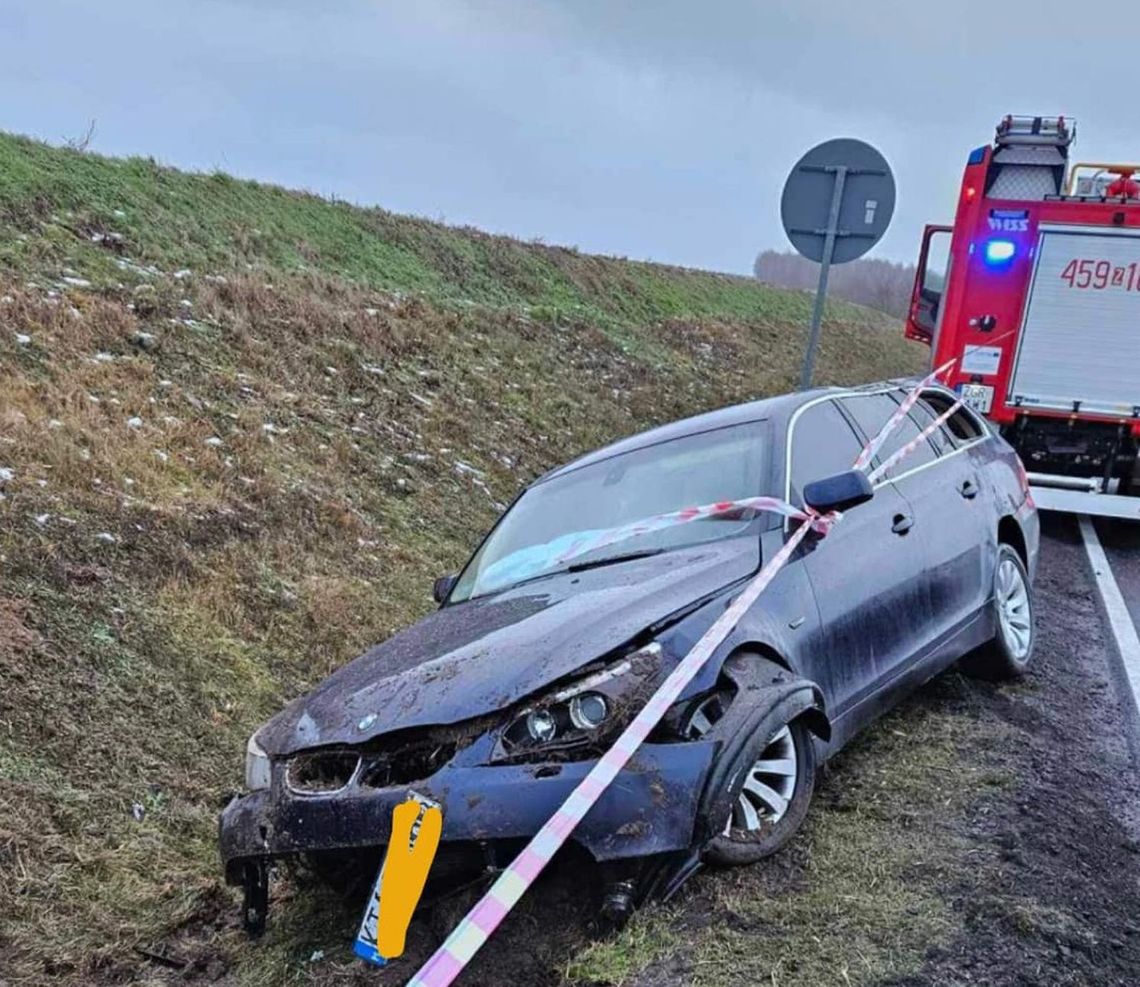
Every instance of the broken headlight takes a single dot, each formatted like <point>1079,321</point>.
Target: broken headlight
<point>583,712</point>
<point>560,721</point>
<point>256,766</point>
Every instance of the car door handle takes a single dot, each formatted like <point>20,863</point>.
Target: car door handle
<point>968,489</point>
<point>902,524</point>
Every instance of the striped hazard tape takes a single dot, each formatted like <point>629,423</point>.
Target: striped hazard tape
<point>914,443</point>
<point>871,449</point>
<point>721,509</point>
<point>476,927</point>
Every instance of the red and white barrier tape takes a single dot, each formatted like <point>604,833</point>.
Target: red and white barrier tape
<point>871,449</point>
<point>447,962</point>
<point>906,450</point>
<point>601,539</point>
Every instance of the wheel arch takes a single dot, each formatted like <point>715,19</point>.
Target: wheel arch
<point>1009,533</point>
<point>757,657</point>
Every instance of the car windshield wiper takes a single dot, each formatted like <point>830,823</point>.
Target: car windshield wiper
<point>612,560</point>
<point>576,567</point>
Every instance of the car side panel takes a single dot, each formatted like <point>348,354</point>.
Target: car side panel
<point>960,531</point>
<point>975,624</point>
<point>872,596</point>
<point>782,620</point>
<point>975,632</point>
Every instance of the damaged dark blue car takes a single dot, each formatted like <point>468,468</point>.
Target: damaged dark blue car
<point>497,704</point>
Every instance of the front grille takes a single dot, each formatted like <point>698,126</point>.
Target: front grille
<point>411,763</point>
<point>321,772</point>
<point>394,759</point>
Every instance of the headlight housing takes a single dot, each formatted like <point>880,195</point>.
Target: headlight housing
<point>559,723</point>
<point>256,766</point>
<point>583,713</point>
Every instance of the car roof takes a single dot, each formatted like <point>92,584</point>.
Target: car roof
<point>776,409</point>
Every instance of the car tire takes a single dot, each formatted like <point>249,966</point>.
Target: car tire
<point>752,806</point>
<point>740,845</point>
<point>764,721</point>
<point>1008,654</point>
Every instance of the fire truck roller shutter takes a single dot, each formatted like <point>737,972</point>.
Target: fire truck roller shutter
<point>1079,346</point>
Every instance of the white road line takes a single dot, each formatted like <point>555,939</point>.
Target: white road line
<point>1119,619</point>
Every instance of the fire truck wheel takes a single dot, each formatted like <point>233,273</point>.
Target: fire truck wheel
<point>1007,656</point>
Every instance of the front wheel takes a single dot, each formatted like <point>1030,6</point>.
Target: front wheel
<point>1008,654</point>
<point>764,786</point>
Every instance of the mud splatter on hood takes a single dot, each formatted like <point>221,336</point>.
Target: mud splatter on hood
<point>476,657</point>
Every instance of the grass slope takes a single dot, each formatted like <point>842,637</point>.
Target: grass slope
<point>216,222</point>
<point>241,429</point>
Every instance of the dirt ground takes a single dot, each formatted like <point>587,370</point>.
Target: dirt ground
<point>1066,835</point>
<point>979,835</point>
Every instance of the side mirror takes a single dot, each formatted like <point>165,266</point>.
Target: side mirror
<point>442,587</point>
<point>840,492</point>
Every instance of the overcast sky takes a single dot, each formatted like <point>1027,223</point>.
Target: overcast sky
<point>658,129</point>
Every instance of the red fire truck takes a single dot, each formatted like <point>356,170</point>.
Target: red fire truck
<point>1035,290</point>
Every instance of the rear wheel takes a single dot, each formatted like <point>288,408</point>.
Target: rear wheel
<point>763,787</point>
<point>1007,656</point>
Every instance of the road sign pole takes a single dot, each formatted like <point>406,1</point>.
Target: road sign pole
<point>839,229</point>
<point>840,173</point>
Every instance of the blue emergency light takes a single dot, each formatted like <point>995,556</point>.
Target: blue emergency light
<point>1000,252</point>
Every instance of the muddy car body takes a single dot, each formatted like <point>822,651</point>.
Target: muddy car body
<point>485,705</point>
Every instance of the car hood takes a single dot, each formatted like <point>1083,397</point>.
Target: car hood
<point>472,658</point>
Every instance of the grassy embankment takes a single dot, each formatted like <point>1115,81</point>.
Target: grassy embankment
<point>241,429</point>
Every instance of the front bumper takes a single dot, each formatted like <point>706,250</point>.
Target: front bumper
<point>650,808</point>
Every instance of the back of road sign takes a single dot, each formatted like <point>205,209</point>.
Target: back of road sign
<point>868,200</point>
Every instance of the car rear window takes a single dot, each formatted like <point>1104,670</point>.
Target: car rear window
<point>941,438</point>
<point>963,424</point>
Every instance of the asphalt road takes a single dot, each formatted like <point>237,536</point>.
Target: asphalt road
<point>1113,551</point>
<point>1115,585</point>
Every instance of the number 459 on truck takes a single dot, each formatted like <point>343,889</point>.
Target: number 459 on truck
<point>1035,290</point>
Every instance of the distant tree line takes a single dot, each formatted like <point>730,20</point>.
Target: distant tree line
<point>878,284</point>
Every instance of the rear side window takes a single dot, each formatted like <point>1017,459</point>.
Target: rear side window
<point>963,425</point>
<point>871,412</point>
<point>823,444</point>
<point>940,438</point>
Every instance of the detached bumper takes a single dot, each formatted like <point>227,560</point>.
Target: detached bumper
<point>650,808</point>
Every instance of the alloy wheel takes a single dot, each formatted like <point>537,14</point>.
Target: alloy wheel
<point>1013,608</point>
<point>771,779</point>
